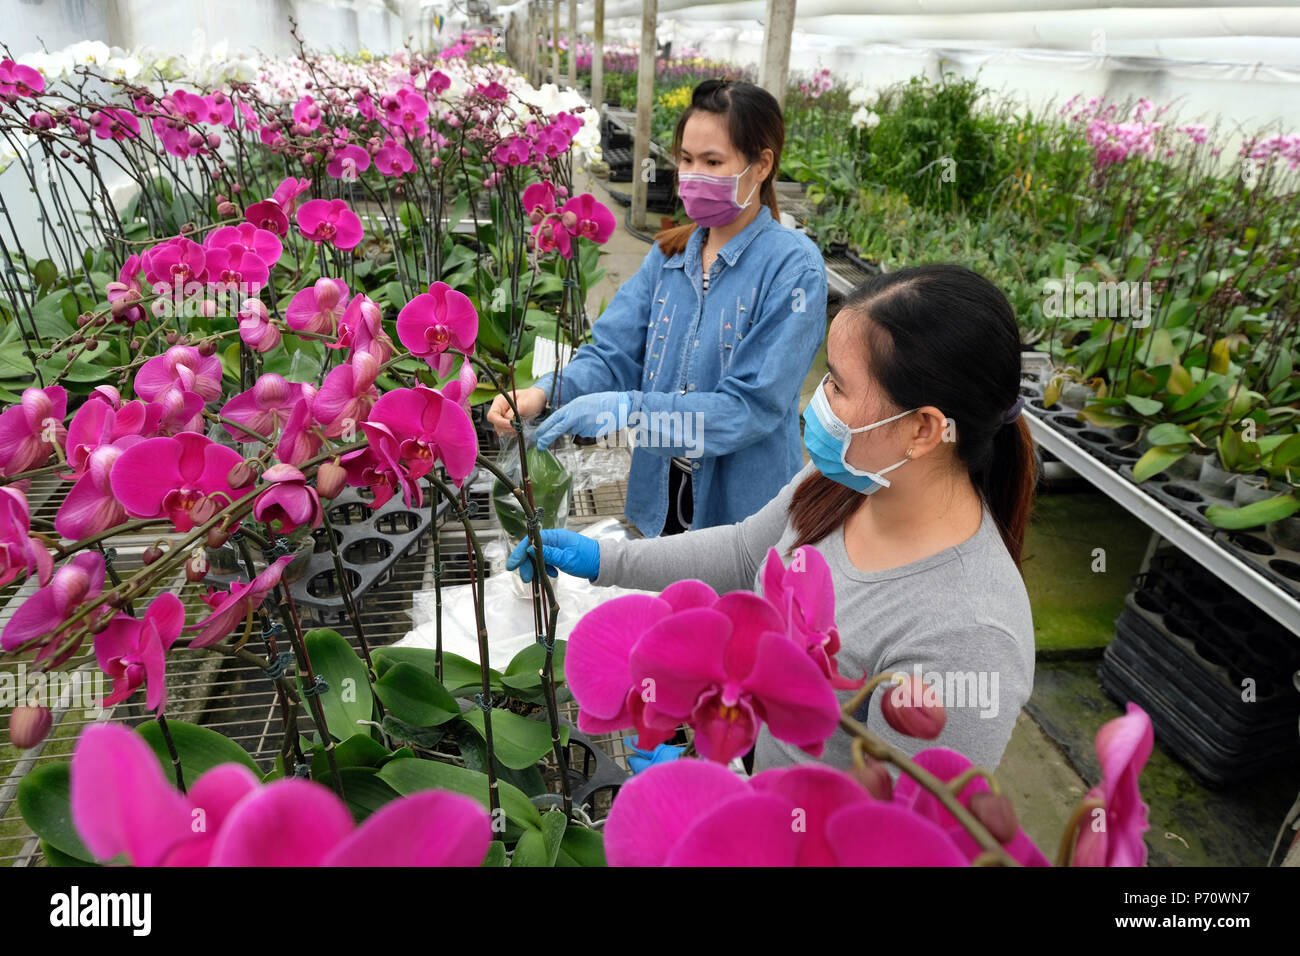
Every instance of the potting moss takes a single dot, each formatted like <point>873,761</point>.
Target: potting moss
<point>1075,606</point>
<point>1190,825</point>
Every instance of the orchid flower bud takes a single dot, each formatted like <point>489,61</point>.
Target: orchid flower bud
<point>29,725</point>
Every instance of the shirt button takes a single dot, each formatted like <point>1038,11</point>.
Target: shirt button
<point>697,342</point>
<point>691,387</point>
<point>695,465</point>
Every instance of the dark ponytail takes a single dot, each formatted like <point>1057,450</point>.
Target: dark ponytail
<point>945,336</point>
<point>754,123</point>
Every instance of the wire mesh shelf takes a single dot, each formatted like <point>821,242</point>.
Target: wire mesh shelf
<point>234,698</point>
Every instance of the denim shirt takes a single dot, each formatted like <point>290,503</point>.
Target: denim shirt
<point>730,364</point>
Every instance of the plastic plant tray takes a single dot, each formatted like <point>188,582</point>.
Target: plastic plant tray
<point>1209,764</point>
<point>598,771</point>
<point>1182,496</point>
<point>369,541</point>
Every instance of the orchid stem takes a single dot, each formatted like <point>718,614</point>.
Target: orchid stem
<point>171,749</point>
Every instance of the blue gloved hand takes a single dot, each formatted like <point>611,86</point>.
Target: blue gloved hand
<point>648,758</point>
<point>588,415</point>
<point>569,551</point>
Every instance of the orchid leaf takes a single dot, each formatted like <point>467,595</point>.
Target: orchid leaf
<point>348,699</point>
<point>1254,514</point>
<point>415,696</point>
<point>45,801</point>
<point>199,748</point>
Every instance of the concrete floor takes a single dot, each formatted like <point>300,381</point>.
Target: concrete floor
<point>1049,763</point>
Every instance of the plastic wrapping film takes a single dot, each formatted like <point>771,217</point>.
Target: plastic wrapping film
<point>508,605</point>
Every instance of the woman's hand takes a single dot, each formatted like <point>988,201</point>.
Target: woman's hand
<point>571,552</point>
<point>529,401</point>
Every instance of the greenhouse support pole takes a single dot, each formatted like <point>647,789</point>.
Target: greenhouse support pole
<point>555,42</point>
<point>538,32</point>
<point>598,55</point>
<point>573,43</point>
<point>776,48</point>
<point>642,166</point>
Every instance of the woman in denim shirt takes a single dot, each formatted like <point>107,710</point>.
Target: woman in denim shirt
<point>703,352</point>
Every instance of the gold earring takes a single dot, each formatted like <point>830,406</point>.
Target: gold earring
<point>908,456</point>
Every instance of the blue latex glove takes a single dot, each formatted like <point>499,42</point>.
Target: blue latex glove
<point>569,551</point>
<point>641,759</point>
<point>588,415</point>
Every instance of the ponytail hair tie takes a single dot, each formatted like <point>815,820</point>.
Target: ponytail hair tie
<point>1014,411</point>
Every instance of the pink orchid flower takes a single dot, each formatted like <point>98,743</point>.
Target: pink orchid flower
<point>264,408</point>
<point>175,263</point>
<point>347,395</point>
<point>188,106</point>
<point>348,163</point>
<point>587,218</point>
<point>299,442</point>
<point>319,307</point>
<point>378,468</point>
<point>17,79</point>
<point>1123,746</point>
<point>175,411</point>
<point>170,476</point>
<point>181,366</point>
<point>947,765</point>
<point>135,652</point>
<point>286,194</point>
<point>726,668</point>
<point>436,320</point>
<point>262,243</point>
<point>220,110</point>
<point>237,267</point>
<point>805,595</point>
<point>112,123</point>
<point>256,330</point>
<point>77,582</point>
<point>306,112</point>
<point>393,159</point>
<point>549,235</point>
<point>538,201</point>
<point>696,813</point>
<point>30,430</point>
<point>290,501</point>
<point>126,291</point>
<point>361,325</point>
<point>229,610</point>
<point>330,220</point>
<point>124,808</point>
<point>19,552</point>
<point>430,428</point>
<point>723,665</point>
<point>100,421</point>
<point>460,390</point>
<point>268,215</point>
<point>91,506</point>
<point>512,151</point>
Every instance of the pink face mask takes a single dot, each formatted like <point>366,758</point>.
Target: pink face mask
<point>711,200</point>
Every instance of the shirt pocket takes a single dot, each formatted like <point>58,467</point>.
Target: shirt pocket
<point>735,322</point>
<point>663,311</point>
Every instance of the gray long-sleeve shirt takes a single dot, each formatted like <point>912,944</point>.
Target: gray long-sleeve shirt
<point>961,616</point>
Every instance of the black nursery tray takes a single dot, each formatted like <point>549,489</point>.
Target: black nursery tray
<point>370,542</point>
<point>1181,495</point>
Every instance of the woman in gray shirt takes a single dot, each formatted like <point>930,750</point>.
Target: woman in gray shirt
<point>923,384</point>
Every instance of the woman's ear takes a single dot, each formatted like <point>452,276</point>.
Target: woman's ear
<point>765,159</point>
<point>931,429</point>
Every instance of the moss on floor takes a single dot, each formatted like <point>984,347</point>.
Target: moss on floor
<point>1191,825</point>
<point>1074,605</point>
